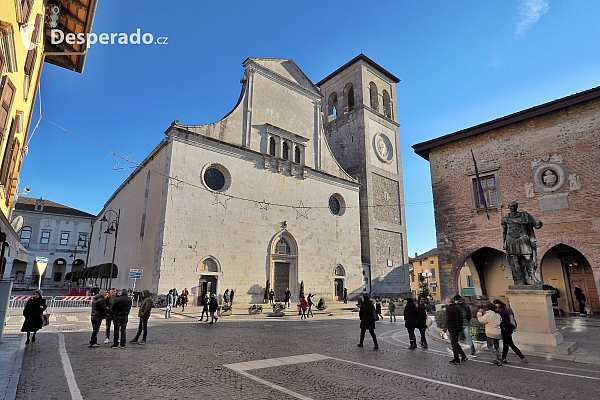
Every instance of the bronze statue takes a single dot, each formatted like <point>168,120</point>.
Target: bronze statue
<point>518,239</point>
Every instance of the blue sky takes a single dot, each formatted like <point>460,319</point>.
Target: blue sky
<point>461,63</point>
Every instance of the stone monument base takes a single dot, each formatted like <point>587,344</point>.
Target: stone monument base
<point>536,327</point>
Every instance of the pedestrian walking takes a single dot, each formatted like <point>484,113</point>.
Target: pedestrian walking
<point>33,311</point>
<point>144,314</point>
<point>170,301</point>
<point>453,326</point>
<point>392,310</point>
<point>466,315</point>
<point>111,297</point>
<point>507,327</point>
<point>310,304</point>
<point>345,295</point>
<point>422,322</point>
<point>99,312</point>
<point>580,297</point>
<point>271,297</point>
<point>410,321</point>
<point>378,308</point>
<point>368,316</point>
<point>205,302</point>
<point>95,290</point>
<point>231,294</point>
<point>183,300</point>
<point>120,310</point>
<point>288,296</point>
<point>303,307</point>
<point>212,307</point>
<point>226,297</point>
<point>493,334</point>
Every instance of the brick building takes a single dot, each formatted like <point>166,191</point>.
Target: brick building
<point>547,159</point>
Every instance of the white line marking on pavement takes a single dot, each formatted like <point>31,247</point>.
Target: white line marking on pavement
<point>277,387</point>
<point>397,334</point>
<point>75,393</point>
<point>72,318</point>
<point>429,380</point>
<point>276,362</point>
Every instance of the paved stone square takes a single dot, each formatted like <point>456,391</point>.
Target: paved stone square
<point>255,357</point>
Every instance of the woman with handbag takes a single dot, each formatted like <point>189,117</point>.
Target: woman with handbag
<point>368,316</point>
<point>33,312</point>
<point>507,327</point>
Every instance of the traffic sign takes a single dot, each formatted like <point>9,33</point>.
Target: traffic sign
<point>41,259</point>
<point>135,274</point>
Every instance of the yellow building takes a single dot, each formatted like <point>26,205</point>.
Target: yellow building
<point>425,266</point>
<point>25,29</point>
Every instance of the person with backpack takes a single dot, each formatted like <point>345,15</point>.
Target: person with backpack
<point>507,327</point>
<point>368,316</point>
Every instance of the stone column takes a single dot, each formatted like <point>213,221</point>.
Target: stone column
<point>536,327</point>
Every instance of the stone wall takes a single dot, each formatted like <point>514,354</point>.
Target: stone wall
<point>566,141</point>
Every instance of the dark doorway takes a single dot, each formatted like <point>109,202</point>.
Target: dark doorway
<point>580,273</point>
<point>338,291</point>
<point>208,285</point>
<point>281,278</point>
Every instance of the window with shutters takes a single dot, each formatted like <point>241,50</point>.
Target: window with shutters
<point>6,157</point>
<point>13,158</point>
<point>7,47</point>
<point>491,191</point>
<point>26,6</point>
<point>7,95</point>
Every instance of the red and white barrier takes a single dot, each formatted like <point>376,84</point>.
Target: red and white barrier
<point>77,298</point>
<point>16,298</point>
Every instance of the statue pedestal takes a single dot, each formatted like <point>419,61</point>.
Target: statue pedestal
<point>536,329</point>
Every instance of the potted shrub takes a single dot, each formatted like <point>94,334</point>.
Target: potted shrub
<point>278,308</point>
<point>321,304</point>
<point>224,310</point>
<point>255,309</point>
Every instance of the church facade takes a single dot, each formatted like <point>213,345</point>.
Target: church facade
<point>262,195</point>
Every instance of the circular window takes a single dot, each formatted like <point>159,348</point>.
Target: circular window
<point>336,204</point>
<point>216,177</point>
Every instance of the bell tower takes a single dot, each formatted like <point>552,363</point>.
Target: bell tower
<point>362,130</point>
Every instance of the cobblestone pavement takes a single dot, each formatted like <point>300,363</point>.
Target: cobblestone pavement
<point>186,359</point>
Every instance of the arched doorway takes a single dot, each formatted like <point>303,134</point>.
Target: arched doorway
<point>283,265</point>
<point>339,276</point>
<point>209,269</point>
<point>564,267</point>
<point>484,273</point>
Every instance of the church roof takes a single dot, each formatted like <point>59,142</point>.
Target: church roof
<point>285,68</point>
<point>366,59</point>
<point>424,148</point>
<point>50,207</point>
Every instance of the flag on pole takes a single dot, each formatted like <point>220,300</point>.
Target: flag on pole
<point>480,188</point>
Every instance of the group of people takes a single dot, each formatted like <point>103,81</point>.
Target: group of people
<point>306,304</point>
<point>114,308</point>
<point>210,305</point>
<point>173,300</point>
<point>228,297</point>
<point>499,323</point>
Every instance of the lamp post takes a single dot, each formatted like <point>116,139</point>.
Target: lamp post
<point>113,226</point>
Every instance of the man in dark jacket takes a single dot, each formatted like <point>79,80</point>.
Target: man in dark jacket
<point>454,325</point>
<point>120,311</point>
<point>580,297</point>
<point>144,314</point>
<point>213,304</point>
<point>367,320</point>
<point>99,311</point>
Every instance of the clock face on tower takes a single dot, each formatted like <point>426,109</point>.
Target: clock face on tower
<point>383,147</point>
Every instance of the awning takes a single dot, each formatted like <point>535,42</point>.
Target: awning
<point>15,249</point>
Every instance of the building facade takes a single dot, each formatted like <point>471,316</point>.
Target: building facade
<point>546,159</point>
<point>256,196</point>
<point>425,268</point>
<point>54,231</point>
<point>25,29</point>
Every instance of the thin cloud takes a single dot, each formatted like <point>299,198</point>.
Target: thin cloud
<point>530,12</point>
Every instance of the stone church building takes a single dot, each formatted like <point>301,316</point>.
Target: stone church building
<point>546,158</point>
<point>298,183</point>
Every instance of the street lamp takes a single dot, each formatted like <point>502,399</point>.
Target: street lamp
<point>113,226</point>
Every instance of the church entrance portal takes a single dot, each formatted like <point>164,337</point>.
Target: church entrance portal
<point>207,285</point>
<point>338,289</point>
<point>281,280</point>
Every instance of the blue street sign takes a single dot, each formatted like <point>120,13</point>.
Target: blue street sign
<point>41,259</point>
<point>135,274</point>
